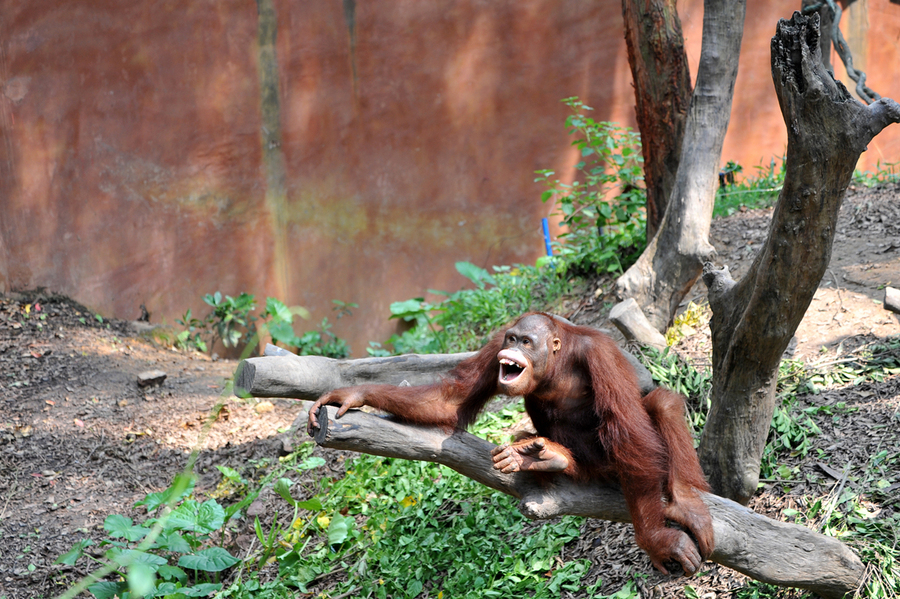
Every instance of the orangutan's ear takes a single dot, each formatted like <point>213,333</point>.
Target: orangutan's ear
<point>557,344</point>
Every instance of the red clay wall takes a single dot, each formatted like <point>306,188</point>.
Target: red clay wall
<point>136,165</point>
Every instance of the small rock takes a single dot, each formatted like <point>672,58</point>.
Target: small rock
<point>264,406</point>
<point>151,377</point>
<point>257,508</point>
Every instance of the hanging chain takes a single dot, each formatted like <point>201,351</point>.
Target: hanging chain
<point>840,45</point>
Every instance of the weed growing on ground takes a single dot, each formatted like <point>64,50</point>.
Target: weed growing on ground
<point>888,172</point>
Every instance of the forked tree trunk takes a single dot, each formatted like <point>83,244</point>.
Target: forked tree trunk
<point>674,258</point>
<point>754,319</point>
<point>662,92</point>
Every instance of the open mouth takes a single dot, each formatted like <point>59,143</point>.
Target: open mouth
<point>510,369</point>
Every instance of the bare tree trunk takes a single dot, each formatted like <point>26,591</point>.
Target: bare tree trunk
<point>674,258</point>
<point>767,550</point>
<point>662,92</point>
<point>754,319</point>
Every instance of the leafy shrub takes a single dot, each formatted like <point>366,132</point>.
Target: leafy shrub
<point>232,321</point>
<point>169,554</point>
<point>464,320</point>
<point>395,528</point>
<point>603,208</point>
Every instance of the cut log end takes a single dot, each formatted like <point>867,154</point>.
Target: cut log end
<point>243,379</point>
<point>892,299</point>
<point>321,433</point>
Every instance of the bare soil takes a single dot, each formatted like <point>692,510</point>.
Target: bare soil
<point>80,439</point>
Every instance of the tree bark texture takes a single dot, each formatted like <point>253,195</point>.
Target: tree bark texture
<point>754,319</point>
<point>764,549</point>
<point>662,92</point>
<point>674,258</point>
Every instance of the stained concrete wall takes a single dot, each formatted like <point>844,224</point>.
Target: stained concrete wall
<point>155,151</point>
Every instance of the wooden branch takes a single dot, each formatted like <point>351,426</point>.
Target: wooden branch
<point>282,374</point>
<point>774,552</point>
<point>634,326</point>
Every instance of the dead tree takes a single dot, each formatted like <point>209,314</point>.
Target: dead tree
<point>754,319</point>
<point>673,259</point>
<point>764,549</point>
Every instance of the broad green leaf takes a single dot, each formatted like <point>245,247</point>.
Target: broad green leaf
<point>313,504</point>
<point>283,488</point>
<point>171,573</point>
<point>203,518</point>
<point>128,557</point>
<point>120,526</point>
<point>231,474</point>
<point>74,553</point>
<point>338,529</point>
<point>174,542</point>
<point>407,309</point>
<point>107,590</point>
<point>283,332</point>
<point>141,579</point>
<point>311,463</point>
<point>278,310</point>
<point>213,559</point>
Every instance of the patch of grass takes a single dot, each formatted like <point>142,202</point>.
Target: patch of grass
<point>759,191</point>
<point>889,172</point>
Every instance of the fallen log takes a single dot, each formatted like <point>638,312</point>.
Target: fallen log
<point>774,552</point>
<point>282,374</point>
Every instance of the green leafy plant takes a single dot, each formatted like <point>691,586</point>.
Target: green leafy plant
<point>231,317</point>
<point>603,207</point>
<point>166,555</point>
<point>231,321</point>
<point>323,342</point>
<point>191,338</point>
<point>668,369</point>
<point>463,320</point>
<point>394,528</point>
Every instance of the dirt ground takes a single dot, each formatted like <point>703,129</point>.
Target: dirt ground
<point>80,440</point>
